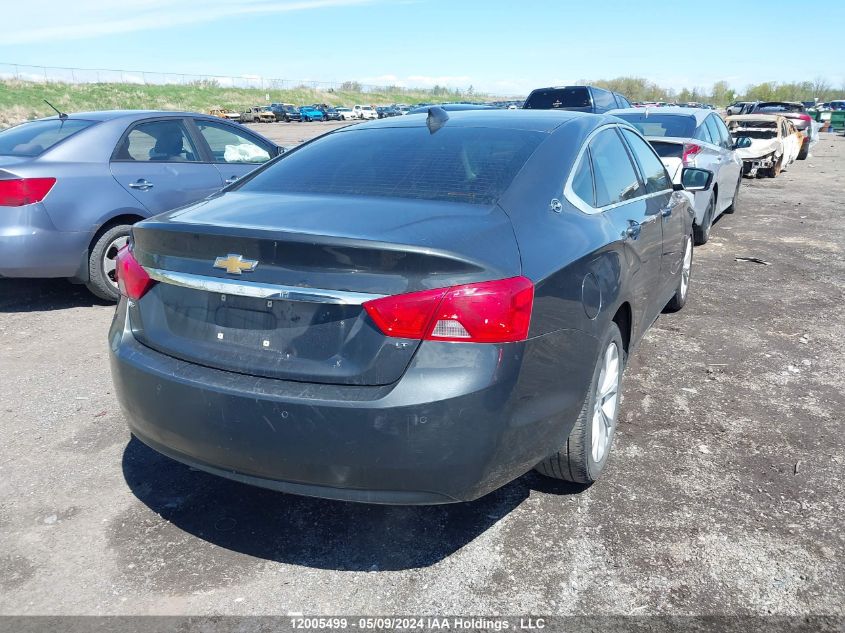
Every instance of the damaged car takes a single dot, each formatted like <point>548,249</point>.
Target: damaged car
<point>775,143</point>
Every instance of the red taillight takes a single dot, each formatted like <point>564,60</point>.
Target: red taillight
<point>805,117</point>
<point>690,152</point>
<point>485,312</point>
<point>20,191</point>
<point>132,280</point>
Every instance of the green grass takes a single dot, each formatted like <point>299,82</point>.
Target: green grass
<point>21,100</point>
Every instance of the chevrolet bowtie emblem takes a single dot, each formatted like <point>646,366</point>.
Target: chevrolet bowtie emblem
<point>235,264</point>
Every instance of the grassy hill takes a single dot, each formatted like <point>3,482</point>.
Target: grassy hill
<point>22,100</point>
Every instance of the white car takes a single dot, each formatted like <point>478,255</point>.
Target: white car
<point>346,114</point>
<point>775,142</point>
<point>693,137</point>
<point>365,112</point>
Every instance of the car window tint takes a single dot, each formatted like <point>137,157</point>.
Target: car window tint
<point>656,178</point>
<point>36,137</point>
<point>727,143</point>
<point>582,180</point>
<point>652,124</point>
<point>703,134</point>
<point>603,99</point>
<point>622,102</point>
<point>160,141</point>
<point>230,146</point>
<point>615,178</point>
<point>716,138</point>
<point>471,165</point>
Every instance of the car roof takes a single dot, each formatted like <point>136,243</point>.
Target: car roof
<point>699,113</point>
<point>530,120</point>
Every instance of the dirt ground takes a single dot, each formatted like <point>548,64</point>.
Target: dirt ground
<point>724,493</point>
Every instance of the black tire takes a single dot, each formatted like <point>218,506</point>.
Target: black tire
<point>101,283</point>
<point>574,461</point>
<point>805,150</point>
<point>735,201</point>
<point>702,233</point>
<point>679,299</point>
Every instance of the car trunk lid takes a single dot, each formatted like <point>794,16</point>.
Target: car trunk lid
<point>298,315</point>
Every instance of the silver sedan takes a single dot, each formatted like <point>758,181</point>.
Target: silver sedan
<point>71,186</point>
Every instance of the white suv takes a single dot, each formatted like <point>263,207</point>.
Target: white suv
<point>365,112</point>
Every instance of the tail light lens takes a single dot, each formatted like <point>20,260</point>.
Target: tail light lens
<point>690,152</point>
<point>20,191</point>
<point>486,312</point>
<point>805,117</point>
<point>132,280</point>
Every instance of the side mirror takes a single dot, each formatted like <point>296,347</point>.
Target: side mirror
<point>695,179</point>
<point>741,142</point>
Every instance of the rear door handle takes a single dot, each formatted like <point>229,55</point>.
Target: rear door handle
<point>141,184</point>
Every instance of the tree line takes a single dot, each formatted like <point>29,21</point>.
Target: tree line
<point>721,93</point>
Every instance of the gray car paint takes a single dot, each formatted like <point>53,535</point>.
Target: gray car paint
<point>52,238</point>
<point>462,418</point>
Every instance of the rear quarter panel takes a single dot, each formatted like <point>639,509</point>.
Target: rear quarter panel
<point>566,254</point>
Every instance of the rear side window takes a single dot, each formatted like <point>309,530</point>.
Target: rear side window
<point>163,141</point>
<point>558,98</point>
<point>714,130</point>
<point>622,102</point>
<point>727,143</point>
<point>36,137</point>
<point>654,173</point>
<point>703,134</point>
<point>582,181</point>
<point>470,165</point>
<point>616,180</point>
<point>603,100</point>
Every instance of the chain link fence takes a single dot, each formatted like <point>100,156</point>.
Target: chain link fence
<point>54,74</point>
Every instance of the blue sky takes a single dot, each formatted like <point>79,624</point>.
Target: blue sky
<point>505,47</point>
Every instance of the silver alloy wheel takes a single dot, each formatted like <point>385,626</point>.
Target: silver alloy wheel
<point>110,258</point>
<point>607,401</point>
<point>687,266</point>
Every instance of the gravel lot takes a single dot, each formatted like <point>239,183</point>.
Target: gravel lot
<point>724,494</point>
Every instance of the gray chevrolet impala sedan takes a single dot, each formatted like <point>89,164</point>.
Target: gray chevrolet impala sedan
<point>411,311</point>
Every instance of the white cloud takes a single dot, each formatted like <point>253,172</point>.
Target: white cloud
<point>89,18</point>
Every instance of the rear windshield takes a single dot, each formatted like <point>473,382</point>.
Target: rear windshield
<point>471,165</point>
<point>668,150</point>
<point>554,98</point>
<point>36,137</point>
<point>661,124</point>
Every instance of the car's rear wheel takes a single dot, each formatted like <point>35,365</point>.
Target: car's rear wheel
<point>702,233</point>
<point>102,262</point>
<point>679,299</point>
<point>584,455</point>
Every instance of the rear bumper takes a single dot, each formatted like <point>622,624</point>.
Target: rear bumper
<point>462,421</point>
<point>30,245</point>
